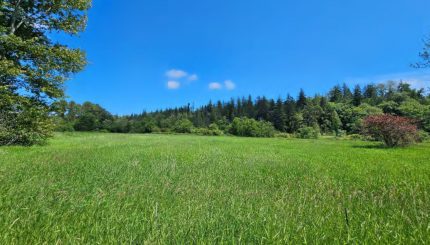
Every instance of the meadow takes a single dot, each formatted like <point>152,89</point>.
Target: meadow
<point>110,188</point>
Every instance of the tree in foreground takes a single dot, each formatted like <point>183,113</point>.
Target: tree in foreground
<point>33,66</point>
<point>392,130</point>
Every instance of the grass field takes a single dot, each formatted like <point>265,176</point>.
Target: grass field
<point>109,188</point>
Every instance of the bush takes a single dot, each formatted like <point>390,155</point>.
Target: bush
<point>308,133</point>
<point>339,134</point>
<point>392,130</point>
<point>183,126</point>
<point>207,132</point>
<point>355,137</point>
<point>63,126</point>
<point>251,128</point>
<point>423,136</point>
<point>283,135</point>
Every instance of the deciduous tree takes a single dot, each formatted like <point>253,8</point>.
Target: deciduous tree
<point>33,66</point>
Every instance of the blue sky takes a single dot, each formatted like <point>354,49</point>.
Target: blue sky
<point>145,55</point>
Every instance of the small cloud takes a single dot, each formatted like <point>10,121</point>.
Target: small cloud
<point>173,85</point>
<point>193,77</point>
<point>229,85</point>
<point>176,74</point>
<point>415,79</point>
<point>215,86</point>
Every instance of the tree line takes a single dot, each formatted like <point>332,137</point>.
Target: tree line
<point>339,112</point>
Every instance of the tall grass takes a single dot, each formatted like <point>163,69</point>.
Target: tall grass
<point>107,188</point>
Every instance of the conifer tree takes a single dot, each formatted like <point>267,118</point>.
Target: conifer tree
<point>336,94</point>
<point>357,97</point>
<point>279,117</point>
<point>302,100</point>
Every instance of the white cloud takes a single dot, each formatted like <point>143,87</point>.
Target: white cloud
<point>173,85</point>
<point>176,74</point>
<point>415,79</point>
<point>229,85</point>
<point>215,86</point>
<point>193,77</point>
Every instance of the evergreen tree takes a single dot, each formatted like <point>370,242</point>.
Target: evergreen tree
<point>290,112</point>
<point>230,110</point>
<point>250,107</point>
<point>346,93</point>
<point>336,94</point>
<point>279,117</point>
<point>323,102</point>
<point>262,109</point>
<point>239,108</point>
<point>357,97</point>
<point>370,94</point>
<point>302,100</point>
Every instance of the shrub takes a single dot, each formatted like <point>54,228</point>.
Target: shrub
<point>423,136</point>
<point>340,133</point>
<point>392,130</point>
<point>355,137</point>
<point>183,126</point>
<point>283,135</point>
<point>207,132</point>
<point>62,125</point>
<point>308,133</point>
<point>251,128</point>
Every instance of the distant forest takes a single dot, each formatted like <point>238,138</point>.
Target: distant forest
<point>339,112</point>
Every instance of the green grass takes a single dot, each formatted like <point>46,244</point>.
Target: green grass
<point>110,188</point>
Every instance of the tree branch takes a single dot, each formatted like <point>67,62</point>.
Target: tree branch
<point>13,27</point>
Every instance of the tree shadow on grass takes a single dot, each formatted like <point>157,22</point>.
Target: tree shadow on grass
<point>372,146</point>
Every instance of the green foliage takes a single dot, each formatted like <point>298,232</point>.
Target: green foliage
<point>423,136</point>
<point>308,133</point>
<point>336,94</point>
<point>419,112</point>
<point>251,128</point>
<point>146,125</point>
<point>63,126</point>
<point>92,117</point>
<point>389,107</point>
<point>357,96</point>
<point>183,126</point>
<point>207,132</point>
<point>345,116</point>
<point>336,123</point>
<point>27,125</point>
<point>356,137</point>
<point>212,130</point>
<point>284,135</point>
<point>279,117</point>
<point>352,117</point>
<point>33,68</point>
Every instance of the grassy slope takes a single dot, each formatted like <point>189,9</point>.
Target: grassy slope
<point>154,188</point>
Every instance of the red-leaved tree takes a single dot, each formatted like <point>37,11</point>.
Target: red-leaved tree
<point>392,130</point>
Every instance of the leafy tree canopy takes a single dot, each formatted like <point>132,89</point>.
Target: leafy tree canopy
<point>33,66</point>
